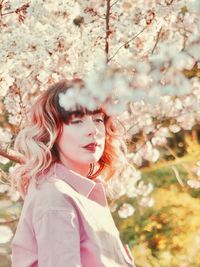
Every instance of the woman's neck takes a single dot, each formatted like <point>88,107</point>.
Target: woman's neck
<point>82,169</point>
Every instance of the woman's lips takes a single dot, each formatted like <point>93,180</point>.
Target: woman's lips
<point>91,147</point>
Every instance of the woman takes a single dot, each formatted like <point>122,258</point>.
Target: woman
<point>65,220</point>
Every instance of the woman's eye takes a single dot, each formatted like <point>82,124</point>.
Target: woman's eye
<point>76,122</point>
<point>99,120</point>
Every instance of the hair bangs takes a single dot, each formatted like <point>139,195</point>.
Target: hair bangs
<point>78,111</point>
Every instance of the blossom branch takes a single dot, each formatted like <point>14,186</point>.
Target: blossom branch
<point>107,27</point>
<point>176,157</point>
<point>10,221</point>
<point>1,7</point>
<point>134,37</point>
<point>157,40</point>
<point>114,3</point>
<point>8,13</point>
<point>20,11</point>
<point>177,175</point>
<point>11,157</point>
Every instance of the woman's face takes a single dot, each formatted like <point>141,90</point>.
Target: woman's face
<point>82,140</point>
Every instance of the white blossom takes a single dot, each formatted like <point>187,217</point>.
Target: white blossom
<point>126,210</point>
<point>4,188</point>
<point>195,184</point>
<point>3,160</point>
<point>5,234</point>
<point>174,128</point>
<point>146,202</point>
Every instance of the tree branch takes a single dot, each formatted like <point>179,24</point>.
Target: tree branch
<point>114,3</point>
<point>21,11</point>
<point>177,175</point>
<point>11,157</point>
<point>9,221</point>
<point>107,28</point>
<point>134,37</point>
<point>157,40</point>
<point>8,13</point>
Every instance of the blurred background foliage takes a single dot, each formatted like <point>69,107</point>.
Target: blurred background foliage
<point>167,234</point>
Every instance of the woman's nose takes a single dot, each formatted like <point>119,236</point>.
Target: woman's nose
<point>92,128</point>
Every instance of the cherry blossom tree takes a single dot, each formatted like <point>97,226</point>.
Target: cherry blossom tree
<point>140,59</point>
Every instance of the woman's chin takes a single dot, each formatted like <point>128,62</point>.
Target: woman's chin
<point>92,159</point>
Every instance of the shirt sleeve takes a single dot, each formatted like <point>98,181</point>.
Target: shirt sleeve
<point>58,239</point>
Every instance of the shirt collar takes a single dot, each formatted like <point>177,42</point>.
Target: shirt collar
<point>80,183</point>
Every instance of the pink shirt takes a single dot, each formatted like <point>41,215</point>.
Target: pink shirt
<point>67,223</point>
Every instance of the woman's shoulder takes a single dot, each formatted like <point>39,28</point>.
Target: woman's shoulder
<point>49,194</point>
